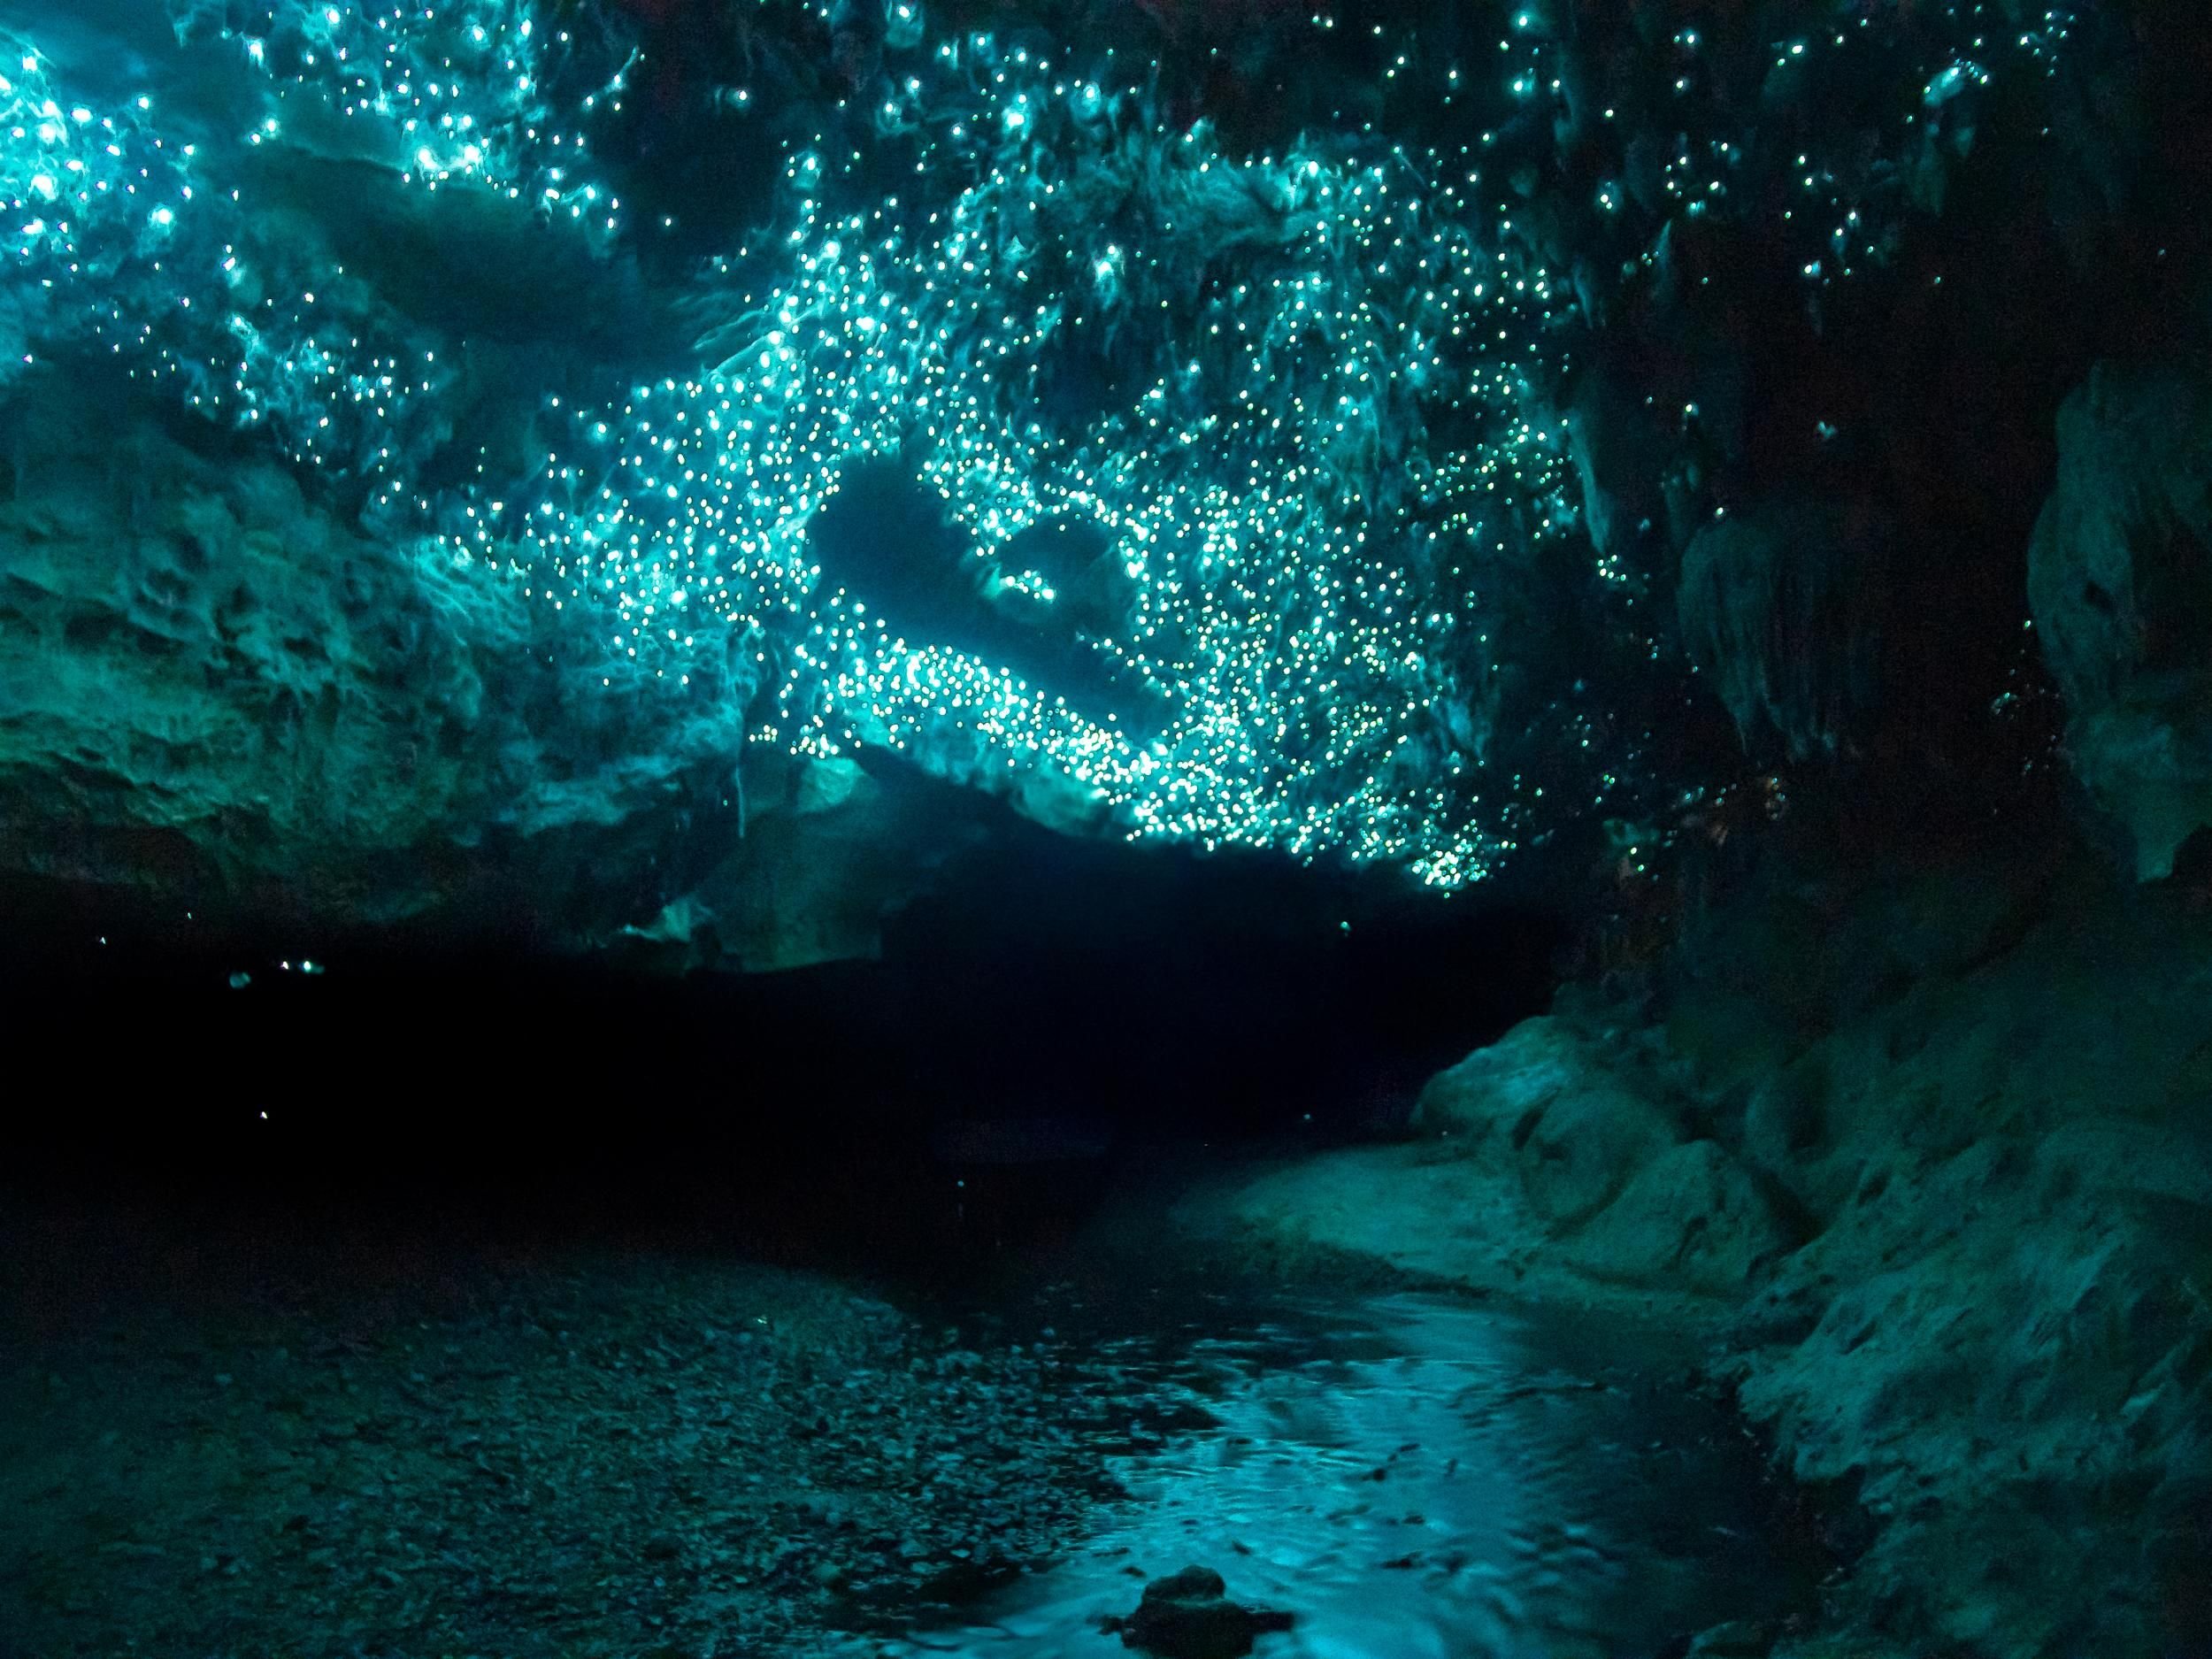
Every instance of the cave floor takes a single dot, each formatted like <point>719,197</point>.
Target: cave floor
<point>221,1442</point>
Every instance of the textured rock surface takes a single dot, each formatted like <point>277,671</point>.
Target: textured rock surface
<point>1781,608</point>
<point>1540,1164</point>
<point>1535,1106</point>
<point>1998,1334</point>
<point>2120,580</point>
<point>1948,1228</point>
<point>194,661</point>
<point>1692,1214</point>
<point>212,687</point>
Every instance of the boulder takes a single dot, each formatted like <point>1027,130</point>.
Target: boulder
<point>1586,1145</point>
<point>1692,1216</point>
<point>1542,1103</point>
<point>1524,1070</point>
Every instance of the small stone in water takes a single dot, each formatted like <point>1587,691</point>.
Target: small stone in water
<point>1186,1616</point>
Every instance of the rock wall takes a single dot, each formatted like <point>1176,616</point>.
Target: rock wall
<point>1927,1157</point>
<point>2120,581</point>
<point>1781,608</point>
<point>216,689</point>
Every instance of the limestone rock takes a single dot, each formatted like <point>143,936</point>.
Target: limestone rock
<point>215,686</point>
<point>1960,1239</point>
<point>2120,583</point>
<point>830,849</point>
<point>1586,1145</point>
<point>1692,1216</point>
<point>1522,1071</point>
<point>1780,609</point>
<point>1786,1116</point>
<point>1543,1101</point>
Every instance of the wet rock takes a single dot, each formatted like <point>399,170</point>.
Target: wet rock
<point>655,1445</point>
<point>1967,1274</point>
<point>1187,1615</point>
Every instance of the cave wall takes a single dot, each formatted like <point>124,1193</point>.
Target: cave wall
<point>216,690</point>
<point>2120,580</point>
<point>1921,1151</point>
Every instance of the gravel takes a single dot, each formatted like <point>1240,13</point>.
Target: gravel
<point>607,1454</point>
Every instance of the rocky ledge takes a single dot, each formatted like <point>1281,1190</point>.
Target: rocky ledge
<point>1924,1157</point>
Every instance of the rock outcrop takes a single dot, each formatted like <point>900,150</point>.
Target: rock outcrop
<point>1781,608</point>
<point>2120,580</point>
<point>216,689</point>
<point>1942,1210</point>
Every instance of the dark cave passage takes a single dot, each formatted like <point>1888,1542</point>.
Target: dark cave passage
<point>1032,1024</point>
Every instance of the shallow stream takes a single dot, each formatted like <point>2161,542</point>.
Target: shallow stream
<point>1412,1476</point>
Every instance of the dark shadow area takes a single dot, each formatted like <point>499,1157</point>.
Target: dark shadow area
<point>1038,1020</point>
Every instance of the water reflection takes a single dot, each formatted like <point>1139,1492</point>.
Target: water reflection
<point>1414,1476</point>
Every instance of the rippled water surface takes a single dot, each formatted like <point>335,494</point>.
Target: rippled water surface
<point>1410,1477</point>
